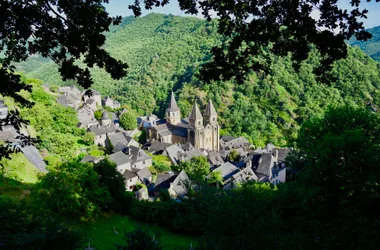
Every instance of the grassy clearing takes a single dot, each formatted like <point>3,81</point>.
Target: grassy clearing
<point>18,167</point>
<point>101,233</point>
<point>15,189</point>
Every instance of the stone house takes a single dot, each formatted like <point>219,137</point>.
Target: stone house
<point>86,118</point>
<point>142,194</point>
<point>228,143</point>
<point>94,95</point>
<point>122,161</point>
<point>215,159</point>
<point>91,104</point>
<point>174,152</point>
<point>102,130</point>
<point>108,102</point>
<point>133,159</point>
<point>131,179</point>
<point>70,96</point>
<point>269,164</point>
<point>175,184</point>
<point>145,176</point>
<point>227,170</point>
<point>120,140</point>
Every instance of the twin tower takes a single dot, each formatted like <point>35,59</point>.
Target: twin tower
<point>202,131</point>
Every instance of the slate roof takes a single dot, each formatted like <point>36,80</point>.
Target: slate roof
<point>119,138</point>
<point>179,183</point>
<point>266,162</point>
<point>34,156</point>
<point>173,152</point>
<point>179,131</point>
<point>88,158</point>
<point>173,107</point>
<point>161,127</point>
<point>227,170</point>
<point>229,142</point>
<point>282,154</point>
<point>139,155</point>
<point>190,154</point>
<point>119,158</point>
<point>244,175</point>
<point>68,99</point>
<point>144,173</point>
<point>90,101</point>
<point>227,138</point>
<point>187,146</point>
<point>102,130</point>
<point>129,175</point>
<point>214,158</point>
<point>163,181</point>
<point>105,115</point>
<point>157,146</point>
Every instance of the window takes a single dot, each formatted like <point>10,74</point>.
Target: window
<point>199,123</point>
<point>213,118</point>
<point>143,162</point>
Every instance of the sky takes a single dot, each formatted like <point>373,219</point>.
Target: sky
<point>120,7</point>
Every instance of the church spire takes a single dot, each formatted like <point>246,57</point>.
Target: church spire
<point>173,114</point>
<point>195,113</point>
<point>210,110</point>
<point>173,107</point>
<point>195,117</point>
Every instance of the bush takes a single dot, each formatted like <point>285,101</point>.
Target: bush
<point>74,190</point>
<point>89,138</point>
<point>128,121</point>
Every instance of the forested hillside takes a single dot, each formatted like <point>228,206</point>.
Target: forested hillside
<point>371,47</point>
<point>165,52</point>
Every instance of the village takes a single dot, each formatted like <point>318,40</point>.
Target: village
<point>179,139</point>
<point>176,139</point>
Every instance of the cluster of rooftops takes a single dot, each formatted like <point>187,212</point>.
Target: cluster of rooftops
<point>134,161</point>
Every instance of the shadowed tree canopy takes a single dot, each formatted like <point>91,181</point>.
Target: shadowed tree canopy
<point>255,27</point>
<point>64,31</point>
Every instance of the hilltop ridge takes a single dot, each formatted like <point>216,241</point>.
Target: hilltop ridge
<point>165,52</point>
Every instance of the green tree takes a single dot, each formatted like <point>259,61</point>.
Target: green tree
<point>340,152</point>
<point>128,121</point>
<point>233,156</point>
<point>89,138</point>
<point>114,182</point>
<point>33,227</point>
<point>215,177</point>
<point>74,190</point>
<point>98,114</point>
<point>161,163</point>
<point>197,168</point>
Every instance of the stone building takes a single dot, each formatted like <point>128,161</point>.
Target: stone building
<point>201,131</point>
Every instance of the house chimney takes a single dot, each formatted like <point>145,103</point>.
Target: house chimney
<point>276,154</point>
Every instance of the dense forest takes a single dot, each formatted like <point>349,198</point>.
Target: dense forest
<point>164,52</point>
<point>370,47</point>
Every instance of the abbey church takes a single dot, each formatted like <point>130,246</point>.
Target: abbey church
<point>201,131</point>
